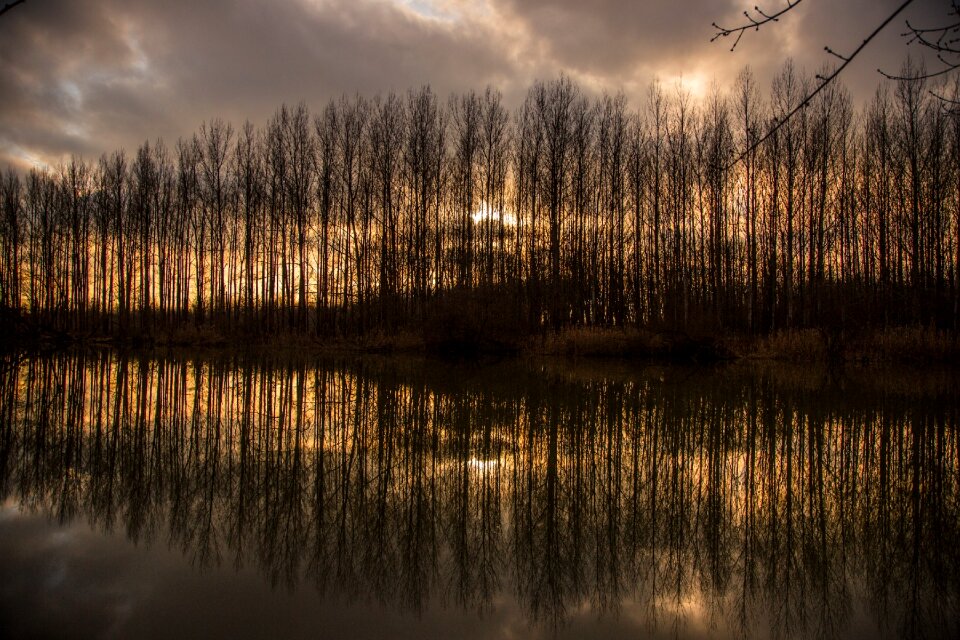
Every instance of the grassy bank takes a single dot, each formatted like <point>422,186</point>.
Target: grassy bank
<point>892,345</point>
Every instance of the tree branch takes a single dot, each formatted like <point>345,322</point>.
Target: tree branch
<point>943,41</point>
<point>754,23</point>
<point>824,81</point>
<point>945,99</point>
<point>10,5</point>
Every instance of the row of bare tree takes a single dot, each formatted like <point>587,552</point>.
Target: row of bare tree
<point>570,211</point>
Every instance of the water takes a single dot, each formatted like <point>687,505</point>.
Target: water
<point>234,497</point>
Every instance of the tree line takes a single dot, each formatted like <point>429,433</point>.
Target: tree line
<point>572,210</point>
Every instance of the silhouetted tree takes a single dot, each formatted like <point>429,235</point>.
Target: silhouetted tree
<point>416,214</point>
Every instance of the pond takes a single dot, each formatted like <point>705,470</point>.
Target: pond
<point>150,495</point>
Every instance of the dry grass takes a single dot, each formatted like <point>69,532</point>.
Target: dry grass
<point>488,332</point>
<point>906,344</point>
<point>401,341</point>
<point>804,345</point>
<point>890,346</point>
<point>597,342</point>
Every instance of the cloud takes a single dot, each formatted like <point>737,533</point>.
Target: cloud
<point>116,73</point>
<point>40,63</point>
<point>86,78</point>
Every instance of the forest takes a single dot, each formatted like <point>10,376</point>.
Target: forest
<point>412,212</point>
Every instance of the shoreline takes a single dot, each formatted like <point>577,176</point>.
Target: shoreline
<point>901,345</point>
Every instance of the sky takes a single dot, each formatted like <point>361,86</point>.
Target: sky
<point>89,77</point>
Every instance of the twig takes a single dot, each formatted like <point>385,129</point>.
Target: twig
<point>755,24</point>
<point>950,105</point>
<point>942,45</point>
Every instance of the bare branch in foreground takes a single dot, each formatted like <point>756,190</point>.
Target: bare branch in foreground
<point>943,41</point>
<point>824,81</point>
<point>10,5</point>
<point>754,23</point>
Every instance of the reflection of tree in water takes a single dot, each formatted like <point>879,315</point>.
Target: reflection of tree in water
<point>724,500</point>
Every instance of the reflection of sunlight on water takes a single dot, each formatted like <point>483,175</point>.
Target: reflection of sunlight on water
<point>486,213</point>
<point>483,465</point>
<point>479,466</point>
<point>62,537</point>
<point>685,611</point>
<point>9,509</point>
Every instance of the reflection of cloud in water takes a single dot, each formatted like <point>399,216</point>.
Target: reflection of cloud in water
<point>113,588</point>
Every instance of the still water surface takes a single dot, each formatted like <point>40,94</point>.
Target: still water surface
<point>229,497</point>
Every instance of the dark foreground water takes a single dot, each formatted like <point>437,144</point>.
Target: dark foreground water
<point>218,497</point>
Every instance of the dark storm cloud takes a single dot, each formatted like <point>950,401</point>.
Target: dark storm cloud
<point>610,37</point>
<point>115,73</point>
<point>266,53</point>
<point>89,77</point>
<point>843,26</point>
<point>40,63</point>
<point>624,40</point>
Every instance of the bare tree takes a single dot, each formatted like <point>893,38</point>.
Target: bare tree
<point>465,117</point>
<point>386,141</point>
